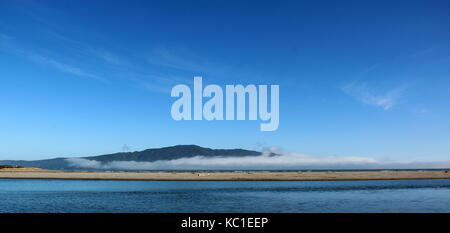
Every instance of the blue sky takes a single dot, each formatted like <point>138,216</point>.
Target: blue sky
<point>357,78</point>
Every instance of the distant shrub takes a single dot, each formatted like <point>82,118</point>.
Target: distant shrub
<point>9,166</point>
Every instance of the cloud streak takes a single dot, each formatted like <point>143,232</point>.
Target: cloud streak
<point>10,45</point>
<point>384,99</point>
<point>106,56</point>
<point>63,67</point>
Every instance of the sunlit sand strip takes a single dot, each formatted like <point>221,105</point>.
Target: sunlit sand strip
<point>226,176</point>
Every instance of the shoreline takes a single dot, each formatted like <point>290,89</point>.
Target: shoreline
<point>33,173</point>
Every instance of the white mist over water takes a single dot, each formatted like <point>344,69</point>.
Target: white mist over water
<point>265,161</point>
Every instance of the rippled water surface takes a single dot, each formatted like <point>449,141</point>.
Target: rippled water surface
<point>228,196</point>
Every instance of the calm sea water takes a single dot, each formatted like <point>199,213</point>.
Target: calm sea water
<point>242,196</point>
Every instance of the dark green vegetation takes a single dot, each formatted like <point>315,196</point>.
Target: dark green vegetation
<point>9,166</point>
<point>149,155</point>
<point>173,152</point>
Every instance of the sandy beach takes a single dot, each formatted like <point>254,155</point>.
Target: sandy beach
<point>36,173</point>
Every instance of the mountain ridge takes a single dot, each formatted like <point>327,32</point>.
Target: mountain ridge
<point>147,155</point>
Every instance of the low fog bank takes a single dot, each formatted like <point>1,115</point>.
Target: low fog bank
<point>266,161</point>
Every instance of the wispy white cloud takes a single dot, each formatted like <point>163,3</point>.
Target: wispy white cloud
<point>162,56</point>
<point>63,67</point>
<point>128,68</point>
<point>382,99</point>
<point>85,49</point>
<point>106,56</point>
<point>157,71</point>
<point>5,37</point>
<point>9,44</point>
<point>184,60</point>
